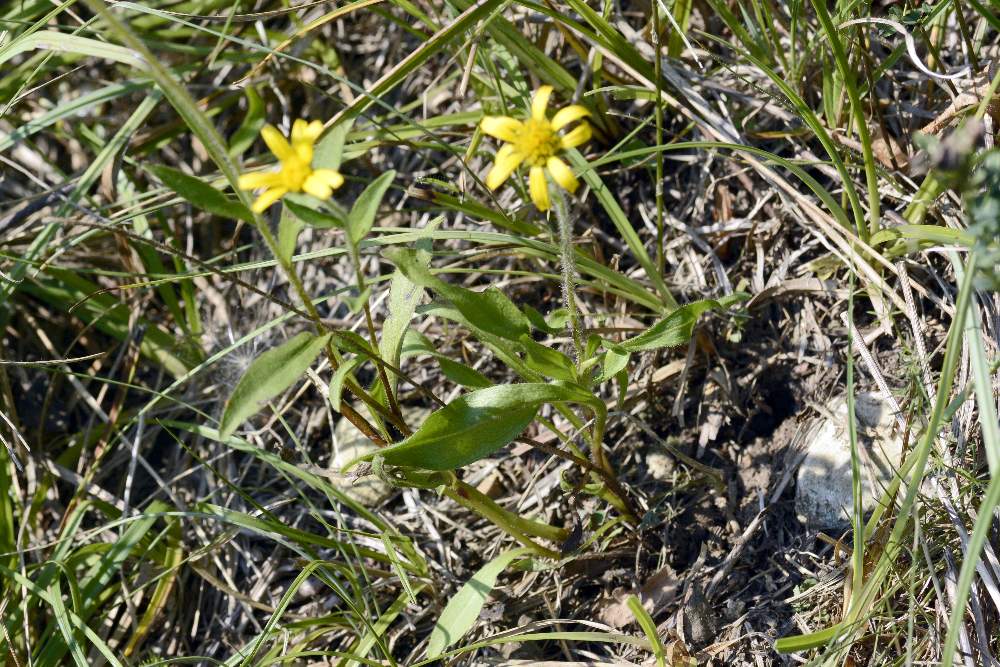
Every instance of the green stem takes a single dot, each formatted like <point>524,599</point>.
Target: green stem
<point>658,111</point>
<point>518,527</point>
<point>370,322</point>
<point>617,498</point>
<point>288,269</point>
<point>614,493</point>
<point>568,269</point>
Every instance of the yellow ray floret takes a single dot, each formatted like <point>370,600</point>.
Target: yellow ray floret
<point>535,142</point>
<point>296,173</point>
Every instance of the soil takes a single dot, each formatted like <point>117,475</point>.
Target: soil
<point>754,430</point>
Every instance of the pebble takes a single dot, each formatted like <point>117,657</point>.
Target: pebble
<point>349,444</point>
<point>823,497</point>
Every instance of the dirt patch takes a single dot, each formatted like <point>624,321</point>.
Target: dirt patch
<point>733,545</point>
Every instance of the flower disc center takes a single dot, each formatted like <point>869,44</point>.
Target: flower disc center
<point>294,173</point>
<point>538,142</point>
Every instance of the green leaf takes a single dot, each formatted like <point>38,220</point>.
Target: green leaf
<point>336,388</point>
<point>490,310</point>
<point>61,42</point>
<point>622,379</point>
<point>677,327</point>
<point>61,615</point>
<point>461,374</point>
<point>311,216</point>
<point>625,229</point>
<point>682,18</point>
<point>508,352</point>
<point>462,610</point>
<point>648,627</point>
<point>330,149</point>
<point>201,195</point>
<point>269,375</point>
<point>553,325</point>
<point>404,297</point>
<point>615,361</point>
<point>537,320</point>
<point>170,564</point>
<point>362,216</point>
<point>415,343</point>
<point>477,424</point>
<point>925,233</point>
<point>796,643</point>
<point>247,132</point>
<point>351,341</point>
<point>357,302</point>
<point>289,228</point>
<point>475,209</point>
<point>550,363</point>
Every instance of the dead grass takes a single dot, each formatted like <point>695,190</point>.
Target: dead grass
<point>129,315</point>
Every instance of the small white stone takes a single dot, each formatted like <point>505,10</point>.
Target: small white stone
<point>660,466</point>
<point>823,497</point>
<point>349,444</point>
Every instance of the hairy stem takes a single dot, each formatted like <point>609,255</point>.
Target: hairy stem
<point>567,267</point>
<point>616,494</point>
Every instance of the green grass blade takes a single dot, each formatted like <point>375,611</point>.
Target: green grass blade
<point>861,123</point>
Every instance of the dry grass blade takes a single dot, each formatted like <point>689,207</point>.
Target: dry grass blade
<point>243,245</point>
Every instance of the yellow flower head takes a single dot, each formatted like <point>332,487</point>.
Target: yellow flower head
<point>296,173</point>
<point>536,142</point>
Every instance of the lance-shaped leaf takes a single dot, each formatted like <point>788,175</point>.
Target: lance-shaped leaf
<point>270,374</point>
<point>202,195</point>
<point>461,612</point>
<point>479,423</point>
<point>677,327</point>
<point>362,216</point>
<point>489,310</point>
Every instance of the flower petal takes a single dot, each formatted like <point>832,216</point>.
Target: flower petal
<point>578,135</point>
<point>539,188</point>
<point>304,136</point>
<point>314,130</point>
<point>567,115</point>
<point>259,179</point>
<point>322,182</point>
<point>507,160</point>
<point>317,188</point>
<point>267,198</point>
<point>298,130</point>
<point>503,128</point>
<point>306,132</point>
<point>562,174</point>
<point>540,102</point>
<point>331,177</point>
<point>276,142</point>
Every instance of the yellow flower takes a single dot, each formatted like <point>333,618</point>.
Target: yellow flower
<point>536,142</point>
<point>296,173</point>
